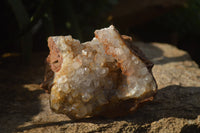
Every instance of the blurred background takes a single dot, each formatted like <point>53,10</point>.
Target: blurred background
<point>26,24</point>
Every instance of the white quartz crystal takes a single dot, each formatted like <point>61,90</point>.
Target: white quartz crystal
<point>94,73</point>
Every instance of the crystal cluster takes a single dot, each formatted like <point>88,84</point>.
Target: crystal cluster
<point>107,76</point>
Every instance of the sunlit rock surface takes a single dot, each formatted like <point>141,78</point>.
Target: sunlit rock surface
<point>107,76</point>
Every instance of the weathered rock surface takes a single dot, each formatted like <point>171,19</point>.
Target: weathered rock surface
<point>24,107</point>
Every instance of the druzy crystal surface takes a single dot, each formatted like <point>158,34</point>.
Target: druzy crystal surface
<point>107,76</point>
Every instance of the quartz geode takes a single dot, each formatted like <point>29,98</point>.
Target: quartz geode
<point>107,76</point>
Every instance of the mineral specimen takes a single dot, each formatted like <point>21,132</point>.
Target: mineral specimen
<point>107,76</point>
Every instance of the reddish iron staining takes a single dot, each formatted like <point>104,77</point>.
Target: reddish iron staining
<point>54,59</point>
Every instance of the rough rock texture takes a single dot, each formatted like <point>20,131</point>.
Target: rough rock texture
<point>24,106</point>
<point>103,77</point>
